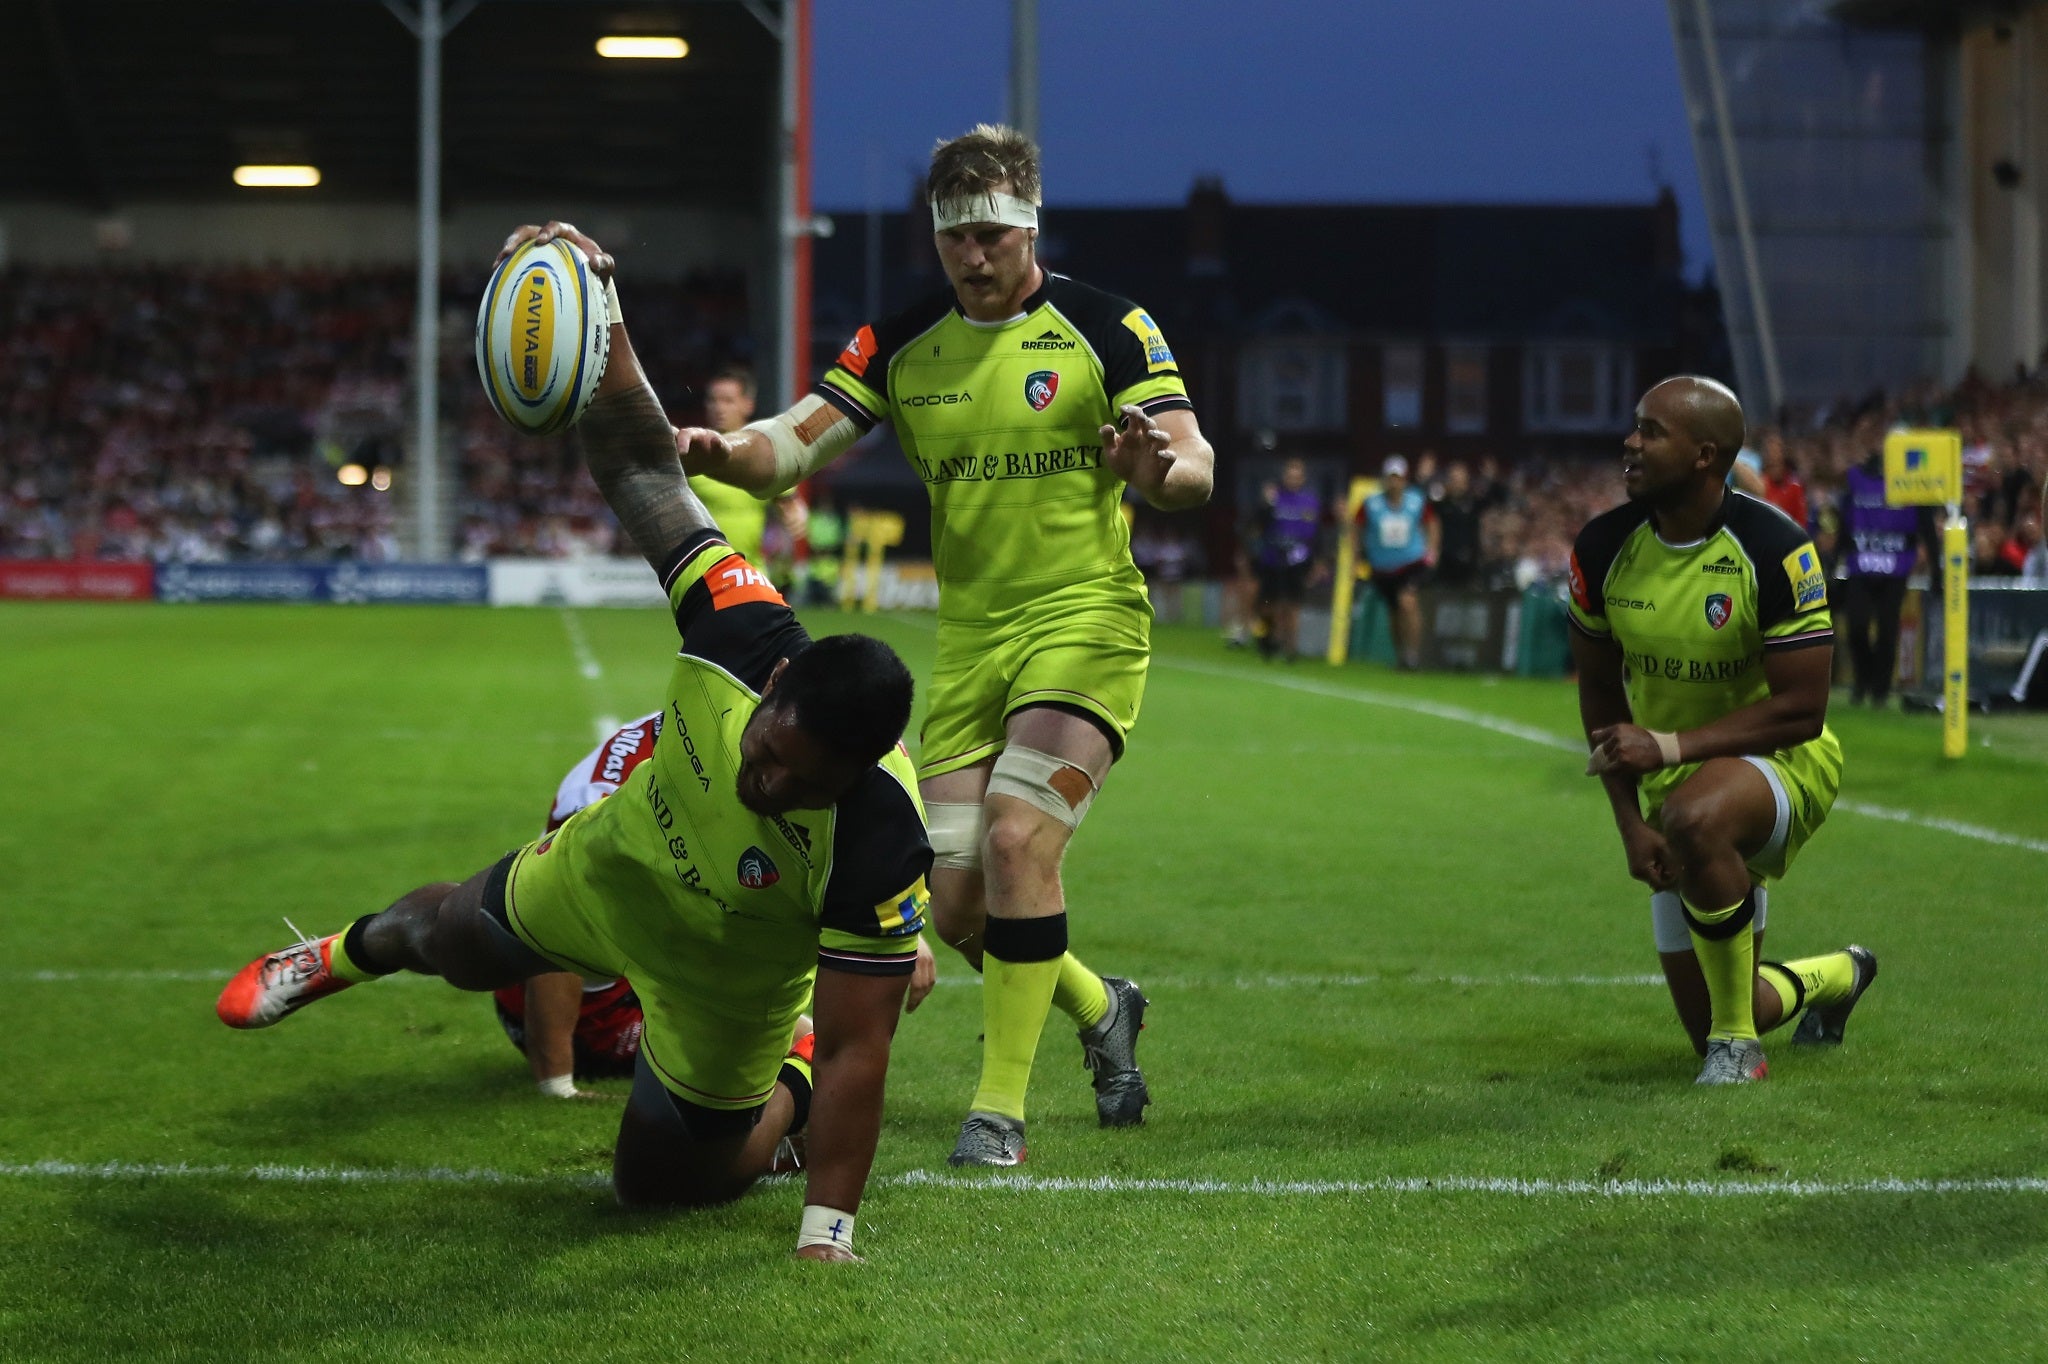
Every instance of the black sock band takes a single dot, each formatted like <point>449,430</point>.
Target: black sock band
<point>1023,940</point>
<point>800,1090</point>
<point>1743,917</point>
<point>1798,985</point>
<point>359,955</point>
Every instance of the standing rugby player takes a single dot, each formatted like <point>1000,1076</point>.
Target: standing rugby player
<point>1026,402</point>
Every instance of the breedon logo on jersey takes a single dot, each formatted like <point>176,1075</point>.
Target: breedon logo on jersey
<point>1724,564</point>
<point>756,871</point>
<point>1040,388</point>
<point>1719,608</point>
<point>1048,340</point>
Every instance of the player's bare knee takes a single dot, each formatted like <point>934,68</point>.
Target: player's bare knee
<point>1046,798</point>
<point>1695,828</point>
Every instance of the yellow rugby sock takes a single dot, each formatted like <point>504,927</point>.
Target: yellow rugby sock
<point>1020,966</point>
<point>1725,943</point>
<point>1080,993</point>
<point>1828,979</point>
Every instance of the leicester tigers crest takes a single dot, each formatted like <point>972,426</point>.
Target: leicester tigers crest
<point>1719,608</point>
<point>1040,388</point>
<point>757,872</point>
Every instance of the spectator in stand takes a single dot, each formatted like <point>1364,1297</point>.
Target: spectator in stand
<point>1400,543</point>
<point>1290,534</point>
<point>1459,511</point>
<point>1876,547</point>
<point>2009,559</point>
<point>1783,488</point>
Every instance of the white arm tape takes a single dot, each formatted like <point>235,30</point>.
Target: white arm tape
<point>806,438</point>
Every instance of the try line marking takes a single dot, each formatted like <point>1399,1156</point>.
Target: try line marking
<point>1100,1184</point>
<point>1531,734</point>
<point>968,978</point>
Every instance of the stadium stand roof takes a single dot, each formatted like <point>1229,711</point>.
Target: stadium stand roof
<point>110,102</point>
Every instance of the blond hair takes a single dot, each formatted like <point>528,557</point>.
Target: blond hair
<point>984,158</point>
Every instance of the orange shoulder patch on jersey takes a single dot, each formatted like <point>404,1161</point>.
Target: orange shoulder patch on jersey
<point>859,351</point>
<point>1579,595</point>
<point>734,582</point>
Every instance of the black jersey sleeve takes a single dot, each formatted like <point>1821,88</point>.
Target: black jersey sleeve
<point>727,611</point>
<point>876,899</point>
<point>1593,554</point>
<point>858,381</point>
<point>1137,365</point>
<point>1791,584</point>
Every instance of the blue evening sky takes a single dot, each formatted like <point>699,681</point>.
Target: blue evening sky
<point>1287,100</point>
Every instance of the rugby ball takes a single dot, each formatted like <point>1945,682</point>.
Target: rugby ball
<point>543,335</point>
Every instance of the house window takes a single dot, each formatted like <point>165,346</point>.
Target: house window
<point>1577,387</point>
<point>1293,385</point>
<point>1465,390</point>
<point>1401,386</point>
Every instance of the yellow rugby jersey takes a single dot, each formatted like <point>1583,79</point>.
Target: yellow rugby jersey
<point>741,517</point>
<point>842,888</point>
<point>1000,420</point>
<point>1694,621</point>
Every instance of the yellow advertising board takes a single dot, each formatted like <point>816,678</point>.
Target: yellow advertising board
<point>1923,468</point>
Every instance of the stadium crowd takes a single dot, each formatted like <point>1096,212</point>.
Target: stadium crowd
<point>188,415</point>
<point>180,415</point>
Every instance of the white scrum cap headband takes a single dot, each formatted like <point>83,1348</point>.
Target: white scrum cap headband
<point>992,207</point>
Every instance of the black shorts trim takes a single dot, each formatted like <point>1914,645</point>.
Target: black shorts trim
<point>1116,740</point>
<point>678,1117</point>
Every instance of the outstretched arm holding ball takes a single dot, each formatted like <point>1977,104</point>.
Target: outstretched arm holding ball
<point>625,437</point>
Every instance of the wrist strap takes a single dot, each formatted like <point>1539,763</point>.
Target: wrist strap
<point>1667,747</point>
<point>557,1086</point>
<point>824,1226</point>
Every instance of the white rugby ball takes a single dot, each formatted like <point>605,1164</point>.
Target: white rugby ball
<point>543,335</point>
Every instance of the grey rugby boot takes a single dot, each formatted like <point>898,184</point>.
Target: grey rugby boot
<point>1822,1026</point>
<point>1733,1061</point>
<point>1110,1050</point>
<point>989,1139</point>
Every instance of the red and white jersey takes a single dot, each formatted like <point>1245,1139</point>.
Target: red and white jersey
<point>605,768</point>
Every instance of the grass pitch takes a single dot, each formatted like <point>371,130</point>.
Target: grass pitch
<point>1417,1094</point>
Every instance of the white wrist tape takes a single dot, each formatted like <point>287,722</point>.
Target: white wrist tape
<point>611,303</point>
<point>1005,210</point>
<point>824,1226</point>
<point>557,1086</point>
<point>806,438</point>
<point>1667,747</point>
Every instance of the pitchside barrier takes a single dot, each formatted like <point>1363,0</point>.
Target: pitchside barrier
<point>2007,650</point>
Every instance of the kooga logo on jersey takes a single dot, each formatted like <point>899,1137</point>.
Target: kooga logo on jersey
<point>936,399</point>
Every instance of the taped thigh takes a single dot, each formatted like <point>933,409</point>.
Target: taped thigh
<point>1045,782</point>
<point>956,829</point>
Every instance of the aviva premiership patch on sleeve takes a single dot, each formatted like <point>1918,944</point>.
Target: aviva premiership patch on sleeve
<point>1809,586</point>
<point>1157,356</point>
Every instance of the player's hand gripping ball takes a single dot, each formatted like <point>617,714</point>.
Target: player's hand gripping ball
<point>543,335</point>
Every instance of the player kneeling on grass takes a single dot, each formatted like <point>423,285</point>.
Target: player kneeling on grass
<point>1704,650</point>
<point>774,835</point>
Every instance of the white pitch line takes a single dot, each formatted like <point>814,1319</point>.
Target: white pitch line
<point>1102,1184</point>
<point>1515,730</point>
<point>586,661</point>
<point>964,978</point>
